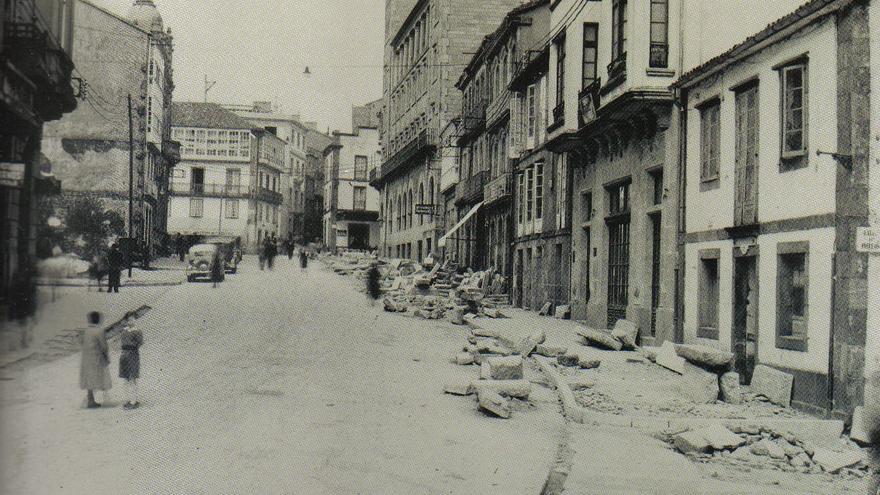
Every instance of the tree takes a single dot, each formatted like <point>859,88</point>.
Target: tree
<point>86,228</point>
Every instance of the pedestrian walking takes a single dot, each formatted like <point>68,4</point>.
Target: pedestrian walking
<point>95,359</point>
<point>272,252</point>
<point>217,269</point>
<point>288,248</point>
<point>179,246</point>
<point>130,340</point>
<point>303,259</point>
<point>373,291</point>
<point>115,261</point>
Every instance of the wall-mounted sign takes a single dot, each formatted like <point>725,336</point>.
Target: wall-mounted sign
<point>868,240</point>
<point>11,174</point>
<point>424,209</point>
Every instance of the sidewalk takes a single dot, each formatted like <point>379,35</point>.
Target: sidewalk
<point>58,323</point>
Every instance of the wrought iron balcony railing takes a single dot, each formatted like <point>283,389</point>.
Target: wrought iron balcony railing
<point>423,143</point>
<point>499,188</point>
<point>208,190</point>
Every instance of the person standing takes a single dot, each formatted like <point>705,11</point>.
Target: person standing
<point>303,259</point>
<point>93,372</point>
<point>272,252</point>
<point>130,340</point>
<point>115,262</point>
<point>373,289</point>
<point>217,268</point>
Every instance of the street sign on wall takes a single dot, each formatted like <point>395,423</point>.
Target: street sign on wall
<point>424,209</point>
<point>868,240</point>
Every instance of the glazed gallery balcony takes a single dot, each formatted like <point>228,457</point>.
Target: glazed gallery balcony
<point>470,190</point>
<point>419,147</point>
<point>498,189</point>
<point>208,190</point>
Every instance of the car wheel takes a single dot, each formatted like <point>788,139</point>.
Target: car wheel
<point>190,278</point>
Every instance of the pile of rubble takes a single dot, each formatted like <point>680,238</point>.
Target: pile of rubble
<point>761,447</point>
<point>501,385</point>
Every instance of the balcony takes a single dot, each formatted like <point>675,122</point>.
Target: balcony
<point>532,64</point>
<point>498,189</point>
<point>499,106</point>
<point>269,196</point>
<point>44,63</point>
<point>424,143</point>
<point>473,121</point>
<point>616,72</point>
<point>470,191</point>
<point>208,190</point>
<point>558,117</point>
<point>588,103</point>
<point>373,177</point>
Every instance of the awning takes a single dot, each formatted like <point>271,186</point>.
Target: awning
<point>442,242</point>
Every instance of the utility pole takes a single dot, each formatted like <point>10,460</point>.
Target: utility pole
<point>130,183</point>
<point>208,86</point>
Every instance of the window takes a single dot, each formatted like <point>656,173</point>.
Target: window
<point>231,208</point>
<point>791,296</point>
<point>591,46</point>
<point>196,207</point>
<point>179,173</point>
<point>360,167</point>
<point>539,190</point>
<point>708,294</point>
<point>530,191</point>
<point>149,114</point>
<point>520,178</point>
<point>657,182</point>
<point>710,141</point>
<point>531,111</point>
<point>560,73</point>
<point>561,186</point>
<point>618,30</point>
<point>618,199</point>
<point>794,111</point>
<point>587,206</point>
<point>360,198</point>
<point>659,57</point>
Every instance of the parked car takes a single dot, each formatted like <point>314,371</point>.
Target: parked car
<point>230,252</point>
<point>200,261</point>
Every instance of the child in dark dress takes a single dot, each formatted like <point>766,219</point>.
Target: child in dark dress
<point>131,340</point>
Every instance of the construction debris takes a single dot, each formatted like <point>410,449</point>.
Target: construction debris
<point>568,359</point>
<point>462,389</point>
<point>773,384</point>
<point>550,351</point>
<point>705,356</point>
<point>626,332</point>
<point>730,389</point>
<point>600,338</point>
<point>506,368</point>
<point>669,359</point>
<point>494,403</point>
<point>519,389</point>
<point>464,358</point>
<point>588,364</point>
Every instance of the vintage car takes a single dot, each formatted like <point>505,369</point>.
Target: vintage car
<point>200,261</point>
<point>230,252</point>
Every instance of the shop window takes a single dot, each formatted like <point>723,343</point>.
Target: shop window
<point>792,282</point>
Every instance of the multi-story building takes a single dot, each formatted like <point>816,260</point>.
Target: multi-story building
<point>351,205</point>
<point>779,281</point>
<point>90,147</point>
<point>36,43</point>
<point>491,136</point>
<point>229,179</point>
<point>425,41</point>
<point>293,131</point>
<point>313,186</point>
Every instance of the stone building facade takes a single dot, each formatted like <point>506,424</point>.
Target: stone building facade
<point>89,148</point>
<point>426,40</point>
<point>313,186</point>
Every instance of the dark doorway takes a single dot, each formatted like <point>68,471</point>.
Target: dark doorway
<point>198,180</point>
<point>655,271</point>
<point>745,316</point>
<point>359,236</point>
<point>618,270</point>
<point>518,294</point>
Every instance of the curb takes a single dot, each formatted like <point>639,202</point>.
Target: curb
<point>134,284</point>
<point>817,430</point>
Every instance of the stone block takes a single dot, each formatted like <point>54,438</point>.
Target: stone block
<point>713,437</point>
<point>773,384</point>
<point>519,389</point>
<point>459,389</point>
<point>650,353</point>
<point>545,309</point>
<point>705,356</point>
<point>667,358</point>
<point>860,430</point>
<point>767,447</point>
<point>698,385</point>
<point>581,383</point>
<point>494,403</point>
<point>485,373</point>
<point>588,364</point>
<point>506,368</point>
<point>551,351</point>
<point>730,390</point>
<point>562,312</point>
<point>833,461</point>
<point>568,359</point>
<point>626,332</point>
<point>464,358</point>
<point>482,332</point>
<point>527,345</point>
<point>457,316</point>
<point>599,338</point>
<point>691,442</point>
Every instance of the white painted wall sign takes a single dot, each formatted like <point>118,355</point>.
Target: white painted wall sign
<point>868,240</point>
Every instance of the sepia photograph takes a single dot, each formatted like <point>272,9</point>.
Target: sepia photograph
<point>425,247</point>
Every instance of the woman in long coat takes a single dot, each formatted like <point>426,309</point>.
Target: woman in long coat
<point>130,340</point>
<point>93,372</point>
<point>217,269</point>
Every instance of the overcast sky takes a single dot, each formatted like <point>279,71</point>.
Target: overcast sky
<point>258,49</point>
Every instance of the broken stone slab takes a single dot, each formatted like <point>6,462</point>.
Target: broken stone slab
<point>457,316</point>
<point>494,403</point>
<point>773,384</point>
<point>506,368</point>
<point>550,351</point>
<point>833,461</point>
<point>650,353</point>
<point>562,312</point>
<point>464,358</point>
<point>801,460</point>
<point>487,348</point>
<point>581,383</point>
<point>697,385</point>
<point>568,359</point>
<point>730,390</point>
<point>422,281</point>
<point>769,448</point>
<point>702,355</point>
<point>588,364</point>
<point>459,389</point>
<point>485,371</point>
<point>527,345</point>
<point>483,332</point>
<point>860,431</point>
<point>545,309</point>
<point>599,338</point>
<point>713,437</point>
<point>519,389</point>
<point>626,332</point>
<point>669,359</point>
